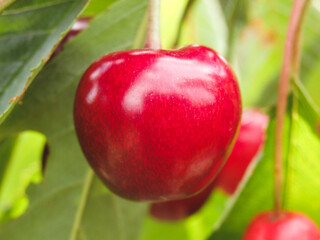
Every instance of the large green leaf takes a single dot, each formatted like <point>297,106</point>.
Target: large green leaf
<point>28,32</point>
<point>302,170</point>
<point>71,203</point>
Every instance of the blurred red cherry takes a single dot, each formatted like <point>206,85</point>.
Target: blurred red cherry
<point>180,209</point>
<point>250,139</point>
<point>290,226</point>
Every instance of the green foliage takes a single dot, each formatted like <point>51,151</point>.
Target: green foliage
<point>97,6</point>
<point>26,45</point>
<point>70,202</point>
<point>206,26</point>
<point>171,15</point>
<point>302,152</point>
<point>197,226</point>
<point>20,165</point>
<point>62,206</point>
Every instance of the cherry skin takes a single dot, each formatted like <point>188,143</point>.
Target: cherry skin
<point>180,209</point>
<point>292,225</point>
<point>77,27</point>
<point>155,125</point>
<point>250,139</point>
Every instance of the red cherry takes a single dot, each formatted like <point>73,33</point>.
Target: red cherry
<point>155,124</point>
<point>77,27</point>
<point>291,226</point>
<point>180,209</point>
<point>250,139</point>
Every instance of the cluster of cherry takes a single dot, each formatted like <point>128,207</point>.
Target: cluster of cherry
<point>158,125</point>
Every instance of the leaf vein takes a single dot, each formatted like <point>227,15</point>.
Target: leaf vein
<point>82,205</point>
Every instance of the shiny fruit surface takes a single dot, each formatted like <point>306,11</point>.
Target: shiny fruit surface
<point>250,139</point>
<point>292,225</point>
<point>180,209</point>
<point>155,125</point>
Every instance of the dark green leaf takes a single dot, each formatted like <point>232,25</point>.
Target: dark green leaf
<point>71,203</point>
<point>28,32</point>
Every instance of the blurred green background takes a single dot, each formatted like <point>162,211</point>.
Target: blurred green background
<point>250,34</point>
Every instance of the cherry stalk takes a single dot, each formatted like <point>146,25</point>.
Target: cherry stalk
<point>291,57</point>
<point>153,39</point>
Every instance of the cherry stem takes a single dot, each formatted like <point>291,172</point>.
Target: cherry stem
<point>291,59</point>
<point>296,43</point>
<point>153,39</point>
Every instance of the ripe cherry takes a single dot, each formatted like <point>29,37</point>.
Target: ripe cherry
<point>155,125</point>
<point>77,27</point>
<point>180,209</point>
<point>250,139</point>
<point>292,225</point>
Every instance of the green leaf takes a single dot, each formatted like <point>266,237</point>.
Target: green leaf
<point>197,226</point>
<point>23,165</point>
<point>171,14</point>
<point>96,7</point>
<point>206,26</point>
<point>29,30</point>
<point>107,216</point>
<point>6,146</point>
<point>301,171</point>
<point>71,203</point>
<point>303,166</point>
<point>311,53</point>
<point>235,13</point>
